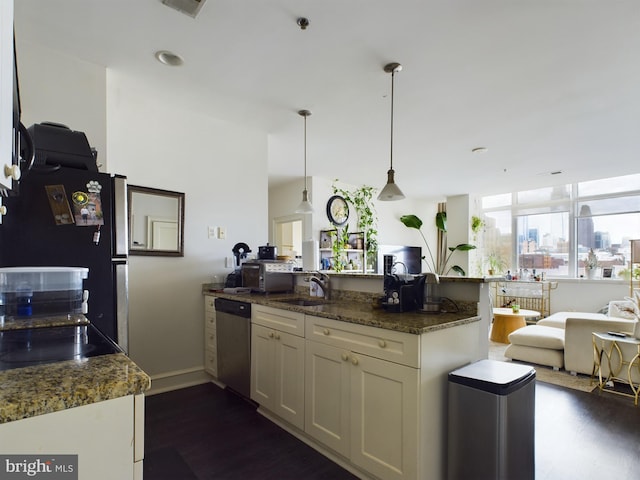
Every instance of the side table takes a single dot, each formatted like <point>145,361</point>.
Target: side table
<point>506,321</point>
<point>600,350</point>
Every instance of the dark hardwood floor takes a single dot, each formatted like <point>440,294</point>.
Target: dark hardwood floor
<point>205,432</point>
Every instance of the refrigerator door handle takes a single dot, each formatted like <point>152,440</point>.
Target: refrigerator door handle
<point>122,304</point>
<point>120,216</point>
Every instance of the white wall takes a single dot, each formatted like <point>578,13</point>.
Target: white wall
<point>57,88</point>
<point>222,169</point>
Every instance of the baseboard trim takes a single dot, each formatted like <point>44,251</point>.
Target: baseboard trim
<point>177,379</point>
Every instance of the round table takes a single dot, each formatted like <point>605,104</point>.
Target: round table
<point>505,322</point>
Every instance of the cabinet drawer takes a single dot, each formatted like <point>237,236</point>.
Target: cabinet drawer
<point>211,362</point>
<point>399,347</point>
<point>209,303</point>
<point>210,339</point>
<point>210,320</point>
<point>283,320</point>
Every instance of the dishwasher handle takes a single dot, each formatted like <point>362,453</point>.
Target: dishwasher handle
<point>233,307</point>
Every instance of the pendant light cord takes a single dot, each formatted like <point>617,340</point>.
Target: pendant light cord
<point>393,73</point>
<point>305,152</point>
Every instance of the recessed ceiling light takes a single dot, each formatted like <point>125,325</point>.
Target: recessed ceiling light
<point>479,150</point>
<point>168,58</point>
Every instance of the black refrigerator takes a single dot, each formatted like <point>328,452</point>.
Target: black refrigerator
<point>68,214</point>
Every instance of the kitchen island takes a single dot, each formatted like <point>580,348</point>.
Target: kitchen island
<point>91,407</point>
<point>366,387</point>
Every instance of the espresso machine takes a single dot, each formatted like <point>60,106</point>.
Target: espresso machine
<point>402,292</point>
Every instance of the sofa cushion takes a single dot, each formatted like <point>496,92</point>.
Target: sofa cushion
<point>559,319</point>
<point>538,336</point>
<point>540,356</point>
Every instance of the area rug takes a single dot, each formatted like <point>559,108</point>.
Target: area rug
<point>545,374</point>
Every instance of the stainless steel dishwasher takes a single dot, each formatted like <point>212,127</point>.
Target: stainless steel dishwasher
<point>233,331</point>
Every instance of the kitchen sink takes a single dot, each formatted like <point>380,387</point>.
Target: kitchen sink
<point>305,302</point>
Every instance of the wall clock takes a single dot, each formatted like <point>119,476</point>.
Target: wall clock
<point>337,210</point>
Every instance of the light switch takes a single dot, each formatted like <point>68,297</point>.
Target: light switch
<point>222,233</point>
<point>211,232</point>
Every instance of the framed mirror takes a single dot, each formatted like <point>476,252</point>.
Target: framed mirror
<point>156,222</point>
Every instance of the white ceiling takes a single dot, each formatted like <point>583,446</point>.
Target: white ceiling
<point>545,85</point>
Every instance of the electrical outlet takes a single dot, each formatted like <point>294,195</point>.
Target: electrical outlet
<point>222,233</point>
<point>229,262</point>
<point>211,232</point>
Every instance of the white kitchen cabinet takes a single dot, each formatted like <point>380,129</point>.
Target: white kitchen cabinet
<point>107,436</point>
<point>9,170</point>
<point>384,412</point>
<point>210,339</point>
<point>363,408</point>
<point>277,363</point>
<point>374,399</point>
<point>327,396</point>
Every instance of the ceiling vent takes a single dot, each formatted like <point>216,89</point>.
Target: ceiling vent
<point>188,7</point>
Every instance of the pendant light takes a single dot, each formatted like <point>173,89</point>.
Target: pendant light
<point>391,192</point>
<point>305,206</point>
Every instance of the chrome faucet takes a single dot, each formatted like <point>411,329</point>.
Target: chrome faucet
<point>323,280</point>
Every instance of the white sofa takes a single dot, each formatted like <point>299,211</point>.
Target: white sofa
<point>564,339</point>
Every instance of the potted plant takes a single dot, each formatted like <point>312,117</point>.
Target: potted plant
<point>412,221</point>
<point>591,263</point>
<point>495,263</point>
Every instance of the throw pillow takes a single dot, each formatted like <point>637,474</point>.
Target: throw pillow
<point>623,309</point>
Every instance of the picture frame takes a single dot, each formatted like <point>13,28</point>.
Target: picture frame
<point>607,272</point>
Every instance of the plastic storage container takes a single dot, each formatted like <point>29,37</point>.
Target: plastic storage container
<point>491,422</point>
<point>27,291</point>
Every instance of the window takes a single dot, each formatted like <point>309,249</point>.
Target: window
<point>553,229</point>
<point>543,243</point>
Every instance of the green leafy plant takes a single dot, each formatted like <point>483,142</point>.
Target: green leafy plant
<point>477,223</point>
<point>339,242</point>
<point>362,201</point>
<point>495,263</point>
<point>413,221</point>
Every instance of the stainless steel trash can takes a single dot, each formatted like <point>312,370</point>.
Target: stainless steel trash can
<point>491,421</point>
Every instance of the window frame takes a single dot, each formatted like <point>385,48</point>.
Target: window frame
<point>570,204</point>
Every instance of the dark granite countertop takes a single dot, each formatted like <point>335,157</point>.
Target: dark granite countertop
<point>359,312</point>
<point>37,390</point>
<point>19,323</point>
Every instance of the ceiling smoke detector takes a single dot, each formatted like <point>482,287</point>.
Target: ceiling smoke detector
<point>188,7</point>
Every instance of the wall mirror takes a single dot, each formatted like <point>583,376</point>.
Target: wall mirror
<point>156,222</point>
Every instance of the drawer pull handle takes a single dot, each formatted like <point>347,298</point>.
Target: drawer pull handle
<point>354,361</point>
<point>382,343</point>
<point>345,357</point>
<point>326,331</point>
<point>277,336</point>
<point>270,334</point>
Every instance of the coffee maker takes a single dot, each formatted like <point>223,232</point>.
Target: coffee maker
<point>402,292</point>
